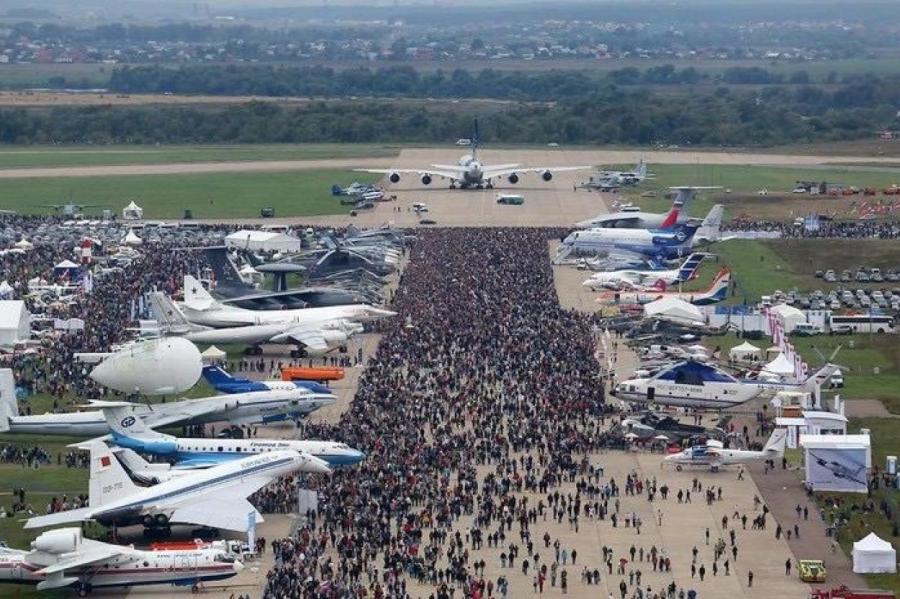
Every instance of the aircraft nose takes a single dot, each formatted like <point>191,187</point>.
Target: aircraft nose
<point>356,456</point>
<point>314,465</point>
<point>380,313</point>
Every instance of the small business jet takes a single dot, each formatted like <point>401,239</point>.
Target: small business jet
<point>470,173</point>
<point>714,455</point>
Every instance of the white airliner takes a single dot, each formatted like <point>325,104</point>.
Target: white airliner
<point>714,455</point>
<point>642,278</point>
<point>199,307</point>
<point>632,177</point>
<point>63,558</point>
<point>717,291</point>
<point>470,172</point>
<point>215,498</point>
<point>132,433</point>
<point>257,407</point>
<point>315,340</point>
<point>699,385</point>
<point>632,217</point>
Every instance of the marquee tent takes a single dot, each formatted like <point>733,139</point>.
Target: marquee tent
<point>873,555</point>
<point>745,352</point>
<point>672,308</point>
<point>132,212</point>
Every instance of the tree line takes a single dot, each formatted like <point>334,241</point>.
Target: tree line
<point>770,116</point>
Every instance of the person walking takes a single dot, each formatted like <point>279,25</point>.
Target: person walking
<point>787,567</point>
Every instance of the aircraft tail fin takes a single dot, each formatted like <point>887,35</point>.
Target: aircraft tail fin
<point>710,227</point>
<point>167,314</point>
<point>475,140</point>
<point>671,218</point>
<point>690,266</point>
<point>109,481</point>
<point>9,406</point>
<point>718,291</point>
<point>121,420</point>
<point>195,296</point>
<point>776,442</point>
<point>216,375</point>
<point>641,169</point>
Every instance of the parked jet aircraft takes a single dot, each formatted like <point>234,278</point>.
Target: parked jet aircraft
<point>470,172</point>
<point>698,385</point>
<point>215,498</point>
<point>259,407</point>
<point>645,277</point>
<point>225,382</point>
<point>131,433</point>
<point>714,455</point>
<point>653,243</point>
<point>199,307</point>
<point>633,177</point>
<point>64,558</point>
<point>716,292</point>
<point>311,340</point>
<point>632,217</point>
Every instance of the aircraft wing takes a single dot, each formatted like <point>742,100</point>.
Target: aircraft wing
<point>219,512</point>
<point>449,172</point>
<point>78,559</point>
<point>503,170</point>
<point>79,515</point>
<point>163,415</point>
<point>311,338</point>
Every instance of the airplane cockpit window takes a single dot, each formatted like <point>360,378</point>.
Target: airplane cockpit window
<point>221,557</point>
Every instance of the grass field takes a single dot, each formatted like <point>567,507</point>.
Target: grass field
<point>746,181</point>
<point>208,195</point>
<point>50,156</point>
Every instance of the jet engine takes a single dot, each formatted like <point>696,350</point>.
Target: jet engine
<point>64,540</point>
<point>546,175</point>
<point>394,177</point>
<point>513,178</point>
<point>426,179</point>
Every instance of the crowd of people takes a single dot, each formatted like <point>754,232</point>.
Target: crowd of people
<point>840,229</point>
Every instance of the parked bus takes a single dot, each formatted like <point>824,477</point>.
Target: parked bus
<point>861,323</point>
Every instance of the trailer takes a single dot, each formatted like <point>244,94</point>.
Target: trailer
<point>842,592</point>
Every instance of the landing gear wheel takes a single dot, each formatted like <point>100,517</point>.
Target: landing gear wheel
<point>678,467</point>
<point>83,589</point>
<point>342,349</point>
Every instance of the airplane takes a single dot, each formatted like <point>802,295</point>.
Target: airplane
<point>258,407</point>
<point>311,340</point>
<point>152,367</point>
<point>717,291</point>
<point>63,558</point>
<point>636,278</point>
<point>214,498</point>
<point>470,172</point>
<point>225,382</point>
<point>132,433</point>
<point>715,455</point>
<point>653,243</point>
<point>649,425</point>
<point>633,177</point>
<point>632,217</point>
<point>698,385</point>
<point>199,307</point>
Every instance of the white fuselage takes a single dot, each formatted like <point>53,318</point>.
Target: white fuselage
<point>221,316</point>
<point>474,172</point>
<point>258,407</point>
<point>709,394</point>
<point>131,568</point>
<point>631,278</point>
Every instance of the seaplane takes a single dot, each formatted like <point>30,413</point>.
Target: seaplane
<point>716,292</point>
<point>644,278</point>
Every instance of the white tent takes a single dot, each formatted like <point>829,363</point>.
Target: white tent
<point>132,239</point>
<point>789,316</point>
<point>745,352</point>
<point>6,290</point>
<point>15,322</point>
<point>780,366</point>
<point>267,241</point>
<point>213,354</point>
<point>873,555</point>
<point>132,212</point>
<point>674,309</point>
<point>24,244</point>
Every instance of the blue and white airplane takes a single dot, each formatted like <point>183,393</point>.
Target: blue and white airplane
<point>665,244</point>
<point>132,433</point>
<point>224,382</point>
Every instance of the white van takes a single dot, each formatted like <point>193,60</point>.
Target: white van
<point>807,329</point>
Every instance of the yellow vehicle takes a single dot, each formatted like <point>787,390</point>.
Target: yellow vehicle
<point>812,570</point>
